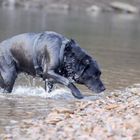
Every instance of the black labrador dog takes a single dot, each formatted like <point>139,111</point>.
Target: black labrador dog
<point>50,56</point>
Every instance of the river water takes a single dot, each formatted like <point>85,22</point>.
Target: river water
<point>113,39</point>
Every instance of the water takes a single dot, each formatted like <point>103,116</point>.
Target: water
<point>112,39</point>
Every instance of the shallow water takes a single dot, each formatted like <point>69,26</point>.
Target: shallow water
<point>112,39</point>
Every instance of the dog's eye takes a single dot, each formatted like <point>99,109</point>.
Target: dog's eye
<point>98,73</point>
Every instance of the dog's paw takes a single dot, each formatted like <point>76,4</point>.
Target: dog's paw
<point>75,92</point>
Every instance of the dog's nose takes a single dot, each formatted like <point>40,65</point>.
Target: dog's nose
<point>103,88</point>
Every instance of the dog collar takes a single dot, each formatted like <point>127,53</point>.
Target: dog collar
<point>61,56</point>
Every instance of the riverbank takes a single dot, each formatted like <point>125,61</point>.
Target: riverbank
<point>90,6</point>
<point>114,116</point>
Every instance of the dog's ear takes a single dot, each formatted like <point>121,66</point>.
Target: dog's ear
<point>80,71</point>
<point>68,46</point>
<point>82,68</point>
<point>72,41</point>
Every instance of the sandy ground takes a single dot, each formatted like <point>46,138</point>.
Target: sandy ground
<point>113,117</point>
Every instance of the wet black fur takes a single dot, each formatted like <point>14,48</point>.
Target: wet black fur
<point>79,67</point>
<point>50,56</point>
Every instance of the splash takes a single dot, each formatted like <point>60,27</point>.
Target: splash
<point>58,93</point>
<point>40,92</point>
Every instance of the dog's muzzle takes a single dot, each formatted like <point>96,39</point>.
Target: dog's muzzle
<point>96,86</point>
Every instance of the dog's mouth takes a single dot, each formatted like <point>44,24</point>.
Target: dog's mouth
<point>96,87</point>
<point>98,90</point>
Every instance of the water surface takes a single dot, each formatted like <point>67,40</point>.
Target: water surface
<point>112,39</point>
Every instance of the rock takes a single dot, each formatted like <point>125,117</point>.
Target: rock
<point>124,7</point>
<point>135,91</point>
<point>105,118</point>
<point>128,125</point>
<point>94,9</point>
<point>1,130</point>
<point>111,106</point>
<point>7,137</point>
<point>54,118</point>
<point>64,110</point>
<point>83,105</point>
<point>13,122</point>
<point>136,135</point>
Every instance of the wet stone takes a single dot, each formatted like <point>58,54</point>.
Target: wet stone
<point>111,117</point>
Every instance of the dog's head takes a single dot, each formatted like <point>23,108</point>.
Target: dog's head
<point>82,68</point>
<point>89,75</point>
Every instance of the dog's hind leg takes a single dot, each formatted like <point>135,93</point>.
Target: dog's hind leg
<point>1,82</point>
<point>7,79</point>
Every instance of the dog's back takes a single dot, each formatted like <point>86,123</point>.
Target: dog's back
<point>28,49</point>
<point>19,49</point>
<point>26,52</point>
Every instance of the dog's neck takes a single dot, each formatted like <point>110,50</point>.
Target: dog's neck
<point>67,68</point>
<point>70,65</point>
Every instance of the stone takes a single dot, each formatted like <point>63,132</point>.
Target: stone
<point>124,7</point>
<point>111,106</point>
<point>94,9</point>
<point>105,118</point>
<point>64,110</point>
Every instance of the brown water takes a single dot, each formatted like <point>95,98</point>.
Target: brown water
<point>114,40</point>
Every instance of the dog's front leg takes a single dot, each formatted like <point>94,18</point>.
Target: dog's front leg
<point>48,85</point>
<point>60,79</point>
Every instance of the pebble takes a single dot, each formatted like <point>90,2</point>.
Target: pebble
<point>116,116</point>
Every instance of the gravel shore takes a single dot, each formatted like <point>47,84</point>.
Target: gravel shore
<point>115,116</point>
